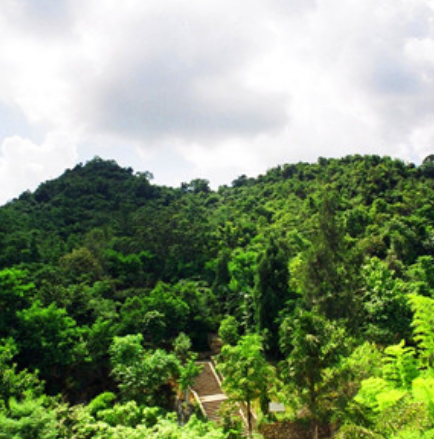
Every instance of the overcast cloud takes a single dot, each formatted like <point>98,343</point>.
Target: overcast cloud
<point>212,88</point>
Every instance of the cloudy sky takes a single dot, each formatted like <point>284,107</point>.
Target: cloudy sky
<point>210,88</point>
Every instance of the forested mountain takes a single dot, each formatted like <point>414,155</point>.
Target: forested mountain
<point>327,267</point>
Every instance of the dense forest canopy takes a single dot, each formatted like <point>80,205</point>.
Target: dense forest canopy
<point>327,267</point>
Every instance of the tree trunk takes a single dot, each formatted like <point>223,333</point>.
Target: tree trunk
<point>313,408</point>
<point>315,429</point>
<point>249,419</point>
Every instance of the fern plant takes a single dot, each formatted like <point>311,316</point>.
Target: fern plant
<point>400,365</point>
<point>423,324</point>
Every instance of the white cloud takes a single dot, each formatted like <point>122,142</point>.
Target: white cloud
<point>23,164</point>
<point>217,88</point>
<point>356,85</point>
<point>176,70</point>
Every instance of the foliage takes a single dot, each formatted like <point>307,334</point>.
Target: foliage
<point>356,432</point>
<point>164,429</point>
<point>15,383</point>
<point>132,421</point>
<point>314,257</point>
<point>378,395</point>
<point>182,347</point>
<point>242,268</point>
<point>400,366</point>
<point>247,376</point>
<point>402,392</point>
<point>423,323</point>
<point>82,265</point>
<point>271,290</point>
<point>101,402</point>
<point>423,391</point>
<point>28,419</point>
<point>229,330</point>
<point>364,362</point>
<point>14,296</point>
<point>129,414</point>
<point>387,315</point>
<point>317,347</point>
<point>49,339</point>
<point>187,374</point>
<point>140,374</point>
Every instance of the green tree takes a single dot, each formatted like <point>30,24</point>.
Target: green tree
<point>421,276</point>
<point>242,268</point>
<point>50,341</point>
<point>229,330</point>
<point>141,375</point>
<point>28,419</point>
<point>159,315</point>
<point>14,296</point>
<point>317,346</point>
<point>201,303</point>
<point>196,186</point>
<point>81,265</point>
<point>182,348</point>
<point>167,301</point>
<point>187,375</point>
<point>221,281</point>
<point>13,382</point>
<point>247,375</point>
<point>387,316</point>
<point>271,291</point>
<point>326,271</point>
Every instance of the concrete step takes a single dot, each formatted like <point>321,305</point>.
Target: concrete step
<point>209,391</point>
<point>206,383</point>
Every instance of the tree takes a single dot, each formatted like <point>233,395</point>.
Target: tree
<point>50,340</point>
<point>196,186</point>
<point>327,275</point>
<point>399,397</point>
<point>229,330</point>
<point>427,167</point>
<point>14,292</point>
<point>167,301</point>
<point>141,375</point>
<point>200,303</point>
<point>159,315</point>
<point>421,276</point>
<point>81,265</point>
<point>28,419</point>
<point>242,269</point>
<point>187,375</point>
<point>271,291</point>
<point>182,348</point>
<point>317,345</point>
<point>387,316</point>
<point>247,375</point>
<point>221,281</point>
<point>14,383</point>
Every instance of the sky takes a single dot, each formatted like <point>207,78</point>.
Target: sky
<point>210,88</point>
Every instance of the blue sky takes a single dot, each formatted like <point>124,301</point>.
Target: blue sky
<point>212,88</point>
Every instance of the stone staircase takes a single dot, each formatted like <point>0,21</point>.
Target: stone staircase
<point>208,391</point>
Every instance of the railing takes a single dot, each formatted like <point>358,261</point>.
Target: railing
<point>199,403</point>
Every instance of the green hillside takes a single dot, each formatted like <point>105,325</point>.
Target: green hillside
<point>325,269</point>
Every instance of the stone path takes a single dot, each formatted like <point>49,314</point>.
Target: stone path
<point>209,392</point>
